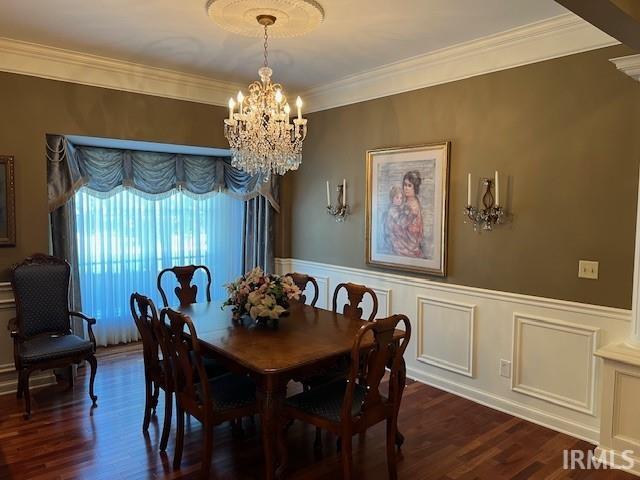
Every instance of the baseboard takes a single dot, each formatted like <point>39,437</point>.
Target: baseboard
<point>562,425</point>
<point>605,455</point>
<point>9,384</point>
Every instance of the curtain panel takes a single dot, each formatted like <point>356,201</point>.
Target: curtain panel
<point>106,171</point>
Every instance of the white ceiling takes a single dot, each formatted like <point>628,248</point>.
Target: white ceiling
<point>356,36</point>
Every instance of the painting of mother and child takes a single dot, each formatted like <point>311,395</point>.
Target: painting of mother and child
<point>406,221</point>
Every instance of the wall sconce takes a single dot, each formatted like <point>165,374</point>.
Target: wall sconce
<point>492,214</point>
<point>341,209</point>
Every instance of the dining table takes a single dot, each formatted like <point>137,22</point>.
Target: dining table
<point>305,341</point>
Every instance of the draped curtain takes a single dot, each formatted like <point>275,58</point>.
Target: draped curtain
<point>120,216</point>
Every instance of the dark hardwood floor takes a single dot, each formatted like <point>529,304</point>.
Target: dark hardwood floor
<point>447,437</point>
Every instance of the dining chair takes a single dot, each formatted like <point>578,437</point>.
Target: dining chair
<point>302,280</point>
<point>353,310</point>
<point>41,331</point>
<point>355,297</point>
<point>212,401</point>
<point>347,408</point>
<point>185,291</point>
<point>157,372</point>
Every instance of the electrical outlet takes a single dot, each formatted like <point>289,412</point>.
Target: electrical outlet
<point>588,269</point>
<point>505,368</point>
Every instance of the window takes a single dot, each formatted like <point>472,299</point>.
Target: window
<point>125,239</point>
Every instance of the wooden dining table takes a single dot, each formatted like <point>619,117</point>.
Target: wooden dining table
<point>306,341</point>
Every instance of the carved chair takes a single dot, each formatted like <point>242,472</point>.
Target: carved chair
<point>352,309</point>
<point>355,296</point>
<point>157,373</point>
<point>212,401</point>
<point>41,331</point>
<point>185,292</point>
<point>301,280</point>
<point>346,407</point>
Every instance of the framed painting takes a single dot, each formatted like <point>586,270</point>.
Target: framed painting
<point>407,200</point>
<point>7,202</point>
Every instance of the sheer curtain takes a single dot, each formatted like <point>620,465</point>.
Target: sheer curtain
<point>125,239</point>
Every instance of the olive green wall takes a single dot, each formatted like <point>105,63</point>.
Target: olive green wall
<point>32,107</point>
<point>564,132</point>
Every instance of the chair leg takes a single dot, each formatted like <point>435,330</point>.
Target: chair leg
<point>147,404</point>
<point>207,451</point>
<point>317,443</point>
<point>20,388</point>
<point>154,400</point>
<point>94,367</point>
<point>27,395</point>
<point>347,460</point>
<point>391,448</point>
<point>282,449</point>
<point>166,428</point>
<point>177,455</point>
<point>70,373</point>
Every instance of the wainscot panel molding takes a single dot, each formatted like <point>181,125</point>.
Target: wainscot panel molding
<point>552,386</point>
<point>555,37</point>
<point>8,377</point>
<point>69,66</point>
<point>446,334</point>
<point>542,345</point>
<point>552,38</point>
<point>620,430</point>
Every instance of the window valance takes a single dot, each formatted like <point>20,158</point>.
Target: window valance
<point>107,170</point>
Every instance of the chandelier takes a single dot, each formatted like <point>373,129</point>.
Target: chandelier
<point>262,137</point>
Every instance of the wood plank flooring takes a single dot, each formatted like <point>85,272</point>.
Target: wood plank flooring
<point>447,438</point>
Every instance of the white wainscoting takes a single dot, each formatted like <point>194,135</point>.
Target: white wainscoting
<point>8,377</point>
<point>446,334</point>
<point>568,350</point>
<point>462,333</point>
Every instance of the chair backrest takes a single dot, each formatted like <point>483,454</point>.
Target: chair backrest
<point>41,288</point>
<point>355,295</point>
<point>301,281</point>
<point>146,316</point>
<point>186,362</point>
<point>185,292</point>
<point>386,352</point>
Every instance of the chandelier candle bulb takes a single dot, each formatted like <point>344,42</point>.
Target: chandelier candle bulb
<point>240,100</point>
<point>232,104</point>
<point>299,105</point>
<point>278,96</point>
<point>469,190</point>
<point>497,190</point>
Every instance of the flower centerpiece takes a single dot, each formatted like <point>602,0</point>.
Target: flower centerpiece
<point>261,295</point>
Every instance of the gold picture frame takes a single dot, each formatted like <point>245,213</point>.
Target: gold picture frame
<point>7,202</point>
<point>407,208</point>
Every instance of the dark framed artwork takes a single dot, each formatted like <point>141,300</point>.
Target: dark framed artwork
<point>407,197</point>
<point>7,202</point>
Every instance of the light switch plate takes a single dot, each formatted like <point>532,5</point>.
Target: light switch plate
<point>588,269</point>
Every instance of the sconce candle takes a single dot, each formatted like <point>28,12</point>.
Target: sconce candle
<point>328,195</point>
<point>341,209</point>
<point>492,214</point>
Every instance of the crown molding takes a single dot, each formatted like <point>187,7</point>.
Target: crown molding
<point>629,65</point>
<point>552,38</point>
<point>54,63</point>
<point>556,37</point>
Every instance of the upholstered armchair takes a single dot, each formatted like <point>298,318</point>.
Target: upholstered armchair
<point>41,331</point>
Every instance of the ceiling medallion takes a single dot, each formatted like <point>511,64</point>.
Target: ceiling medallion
<point>295,17</point>
<point>263,138</point>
